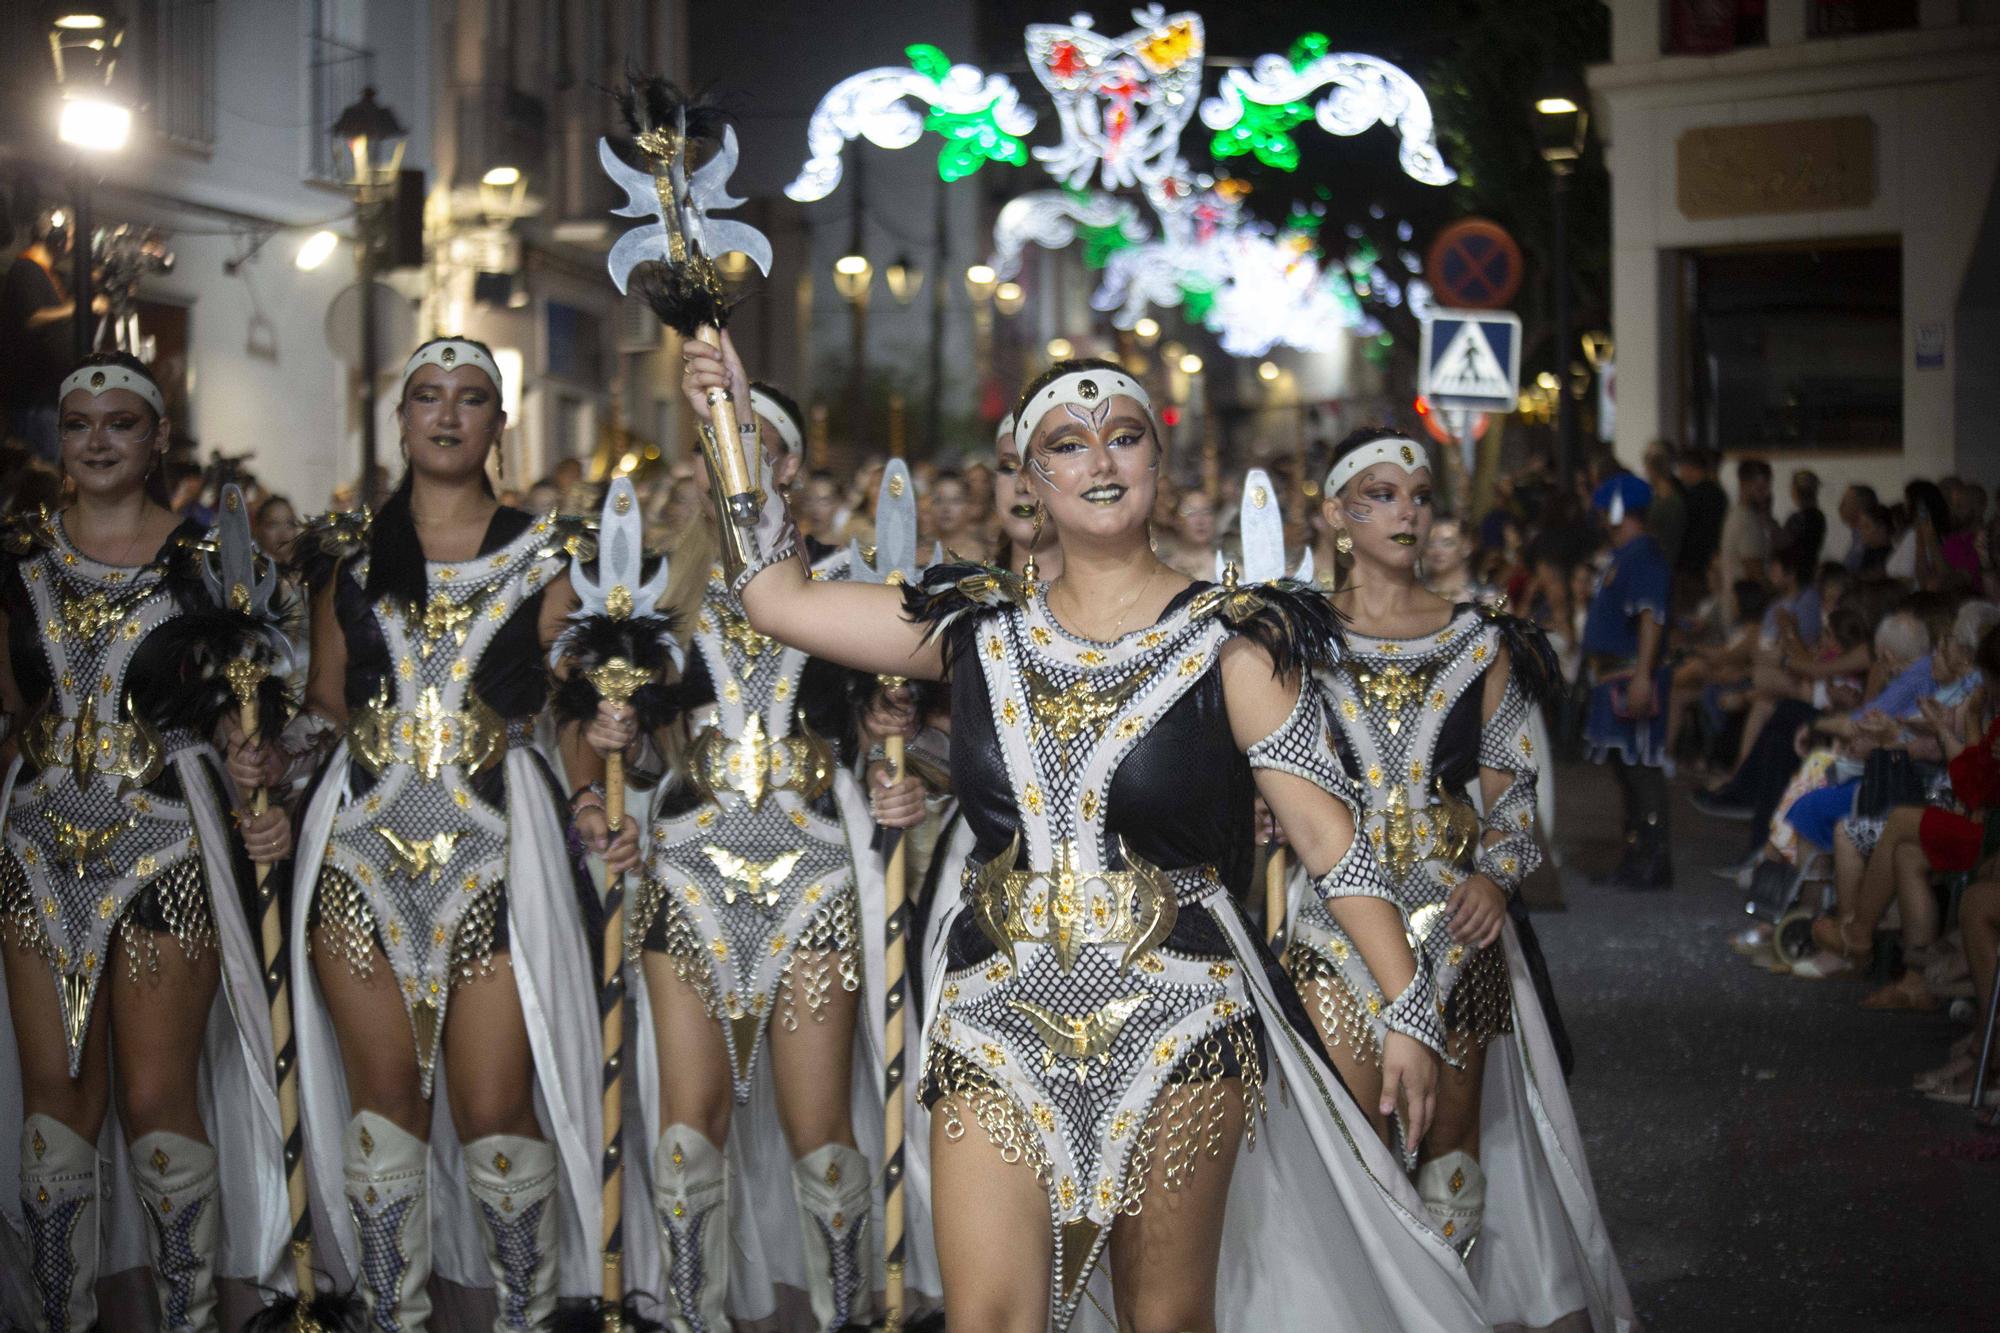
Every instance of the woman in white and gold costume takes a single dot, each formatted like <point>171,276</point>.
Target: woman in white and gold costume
<point>134,1081</point>
<point>1113,1067</point>
<point>441,931</point>
<point>1431,698</point>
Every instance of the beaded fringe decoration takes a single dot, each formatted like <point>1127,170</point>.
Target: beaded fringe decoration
<point>178,895</point>
<point>828,950</point>
<point>1184,1124</point>
<point>341,911</point>
<point>1479,1007</point>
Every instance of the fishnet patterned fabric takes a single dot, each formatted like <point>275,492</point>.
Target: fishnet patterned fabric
<point>175,1263</point>
<point>685,1276</point>
<point>844,1268</point>
<point>383,1261</point>
<point>520,1256</point>
<point>1304,747</point>
<point>1506,746</point>
<point>52,1254</point>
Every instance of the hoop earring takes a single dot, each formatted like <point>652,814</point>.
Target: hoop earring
<point>1029,571</point>
<point>1344,544</point>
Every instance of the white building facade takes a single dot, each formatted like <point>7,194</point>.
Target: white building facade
<point>1806,233</point>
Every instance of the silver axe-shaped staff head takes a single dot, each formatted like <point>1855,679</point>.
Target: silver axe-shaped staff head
<point>701,195</point>
<point>619,590</point>
<point>240,578</point>
<point>895,531</point>
<point>1262,530</point>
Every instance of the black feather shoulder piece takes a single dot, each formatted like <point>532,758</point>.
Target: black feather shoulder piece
<point>329,539</point>
<point>951,594</point>
<point>23,533</point>
<point>647,642</point>
<point>1533,659</point>
<point>1295,623</point>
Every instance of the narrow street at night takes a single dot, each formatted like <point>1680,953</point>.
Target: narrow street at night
<point>1758,1152</point>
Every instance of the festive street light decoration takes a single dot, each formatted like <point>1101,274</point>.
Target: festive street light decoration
<point>1367,91</point>
<point>979,115</point>
<point>1122,104</point>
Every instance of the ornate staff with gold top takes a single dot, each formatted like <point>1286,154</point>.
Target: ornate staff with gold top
<point>1262,530</point>
<point>895,562</point>
<point>245,588</point>
<point>617,646</point>
<point>678,252</point>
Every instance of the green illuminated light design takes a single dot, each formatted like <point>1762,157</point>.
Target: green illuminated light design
<point>972,138</point>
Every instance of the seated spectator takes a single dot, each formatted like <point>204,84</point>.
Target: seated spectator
<point>1979,923</point>
<point>1706,673</point>
<point>1916,840</point>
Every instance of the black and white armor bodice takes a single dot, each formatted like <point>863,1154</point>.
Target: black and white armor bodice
<point>422,834</point>
<point>97,810</point>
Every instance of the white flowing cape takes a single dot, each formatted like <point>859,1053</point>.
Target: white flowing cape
<point>558,988</point>
<point>238,1097</point>
<point>1543,1253</point>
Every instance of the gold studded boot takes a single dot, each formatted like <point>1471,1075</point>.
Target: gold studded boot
<point>59,1203</point>
<point>177,1187</point>
<point>1453,1189</point>
<point>691,1195</point>
<point>513,1183</point>
<point>832,1185</point>
<point>388,1191</point>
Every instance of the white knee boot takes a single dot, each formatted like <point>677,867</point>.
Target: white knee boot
<point>691,1195</point>
<point>388,1191</point>
<point>1453,1189</point>
<point>833,1189</point>
<point>177,1187</point>
<point>59,1201</point>
<point>513,1181</point>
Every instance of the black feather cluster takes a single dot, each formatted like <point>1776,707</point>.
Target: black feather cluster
<point>589,1317</point>
<point>333,1312</point>
<point>190,690</point>
<point>1534,661</point>
<point>686,297</point>
<point>649,102</point>
<point>591,641</point>
<point>1298,625</point>
<point>950,593</point>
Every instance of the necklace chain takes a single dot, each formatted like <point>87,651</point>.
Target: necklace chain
<point>1125,607</point>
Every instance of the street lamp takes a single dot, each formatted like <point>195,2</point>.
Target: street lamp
<point>905,279</point>
<point>1008,298</point>
<point>1561,124</point>
<point>368,144</point>
<point>84,40</point>
<point>315,250</point>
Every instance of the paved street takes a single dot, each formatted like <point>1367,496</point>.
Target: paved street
<point>1761,1162</point>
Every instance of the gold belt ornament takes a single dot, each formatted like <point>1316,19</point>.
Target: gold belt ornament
<point>131,750</point>
<point>428,737</point>
<point>755,765</point>
<point>760,879</point>
<point>1443,832</point>
<point>80,845</point>
<point>1067,908</point>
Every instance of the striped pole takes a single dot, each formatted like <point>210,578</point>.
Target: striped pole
<point>1274,895</point>
<point>244,676</point>
<point>617,680</point>
<point>895,920</point>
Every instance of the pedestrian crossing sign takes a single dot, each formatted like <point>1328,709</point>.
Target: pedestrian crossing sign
<point>1471,359</point>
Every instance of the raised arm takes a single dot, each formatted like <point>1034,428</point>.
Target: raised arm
<point>858,625</point>
<point>1283,729</point>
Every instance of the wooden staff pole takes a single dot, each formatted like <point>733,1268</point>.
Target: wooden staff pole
<point>617,680</point>
<point>1274,895</point>
<point>894,962</point>
<point>245,675</point>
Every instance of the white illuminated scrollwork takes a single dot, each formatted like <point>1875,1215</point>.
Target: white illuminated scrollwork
<point>1367,90</point>
<point>1052,218</point>
<point>873,105</point>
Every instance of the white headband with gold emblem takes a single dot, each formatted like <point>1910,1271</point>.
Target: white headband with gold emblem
<point>449,354</point>
<point>1005,430</point>
<point>1086,393</point>
<point>103,379</point>
<point>767,407</point>
<point>1405,454</point>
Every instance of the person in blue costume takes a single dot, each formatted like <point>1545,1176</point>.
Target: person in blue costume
<point>1625,648</point>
